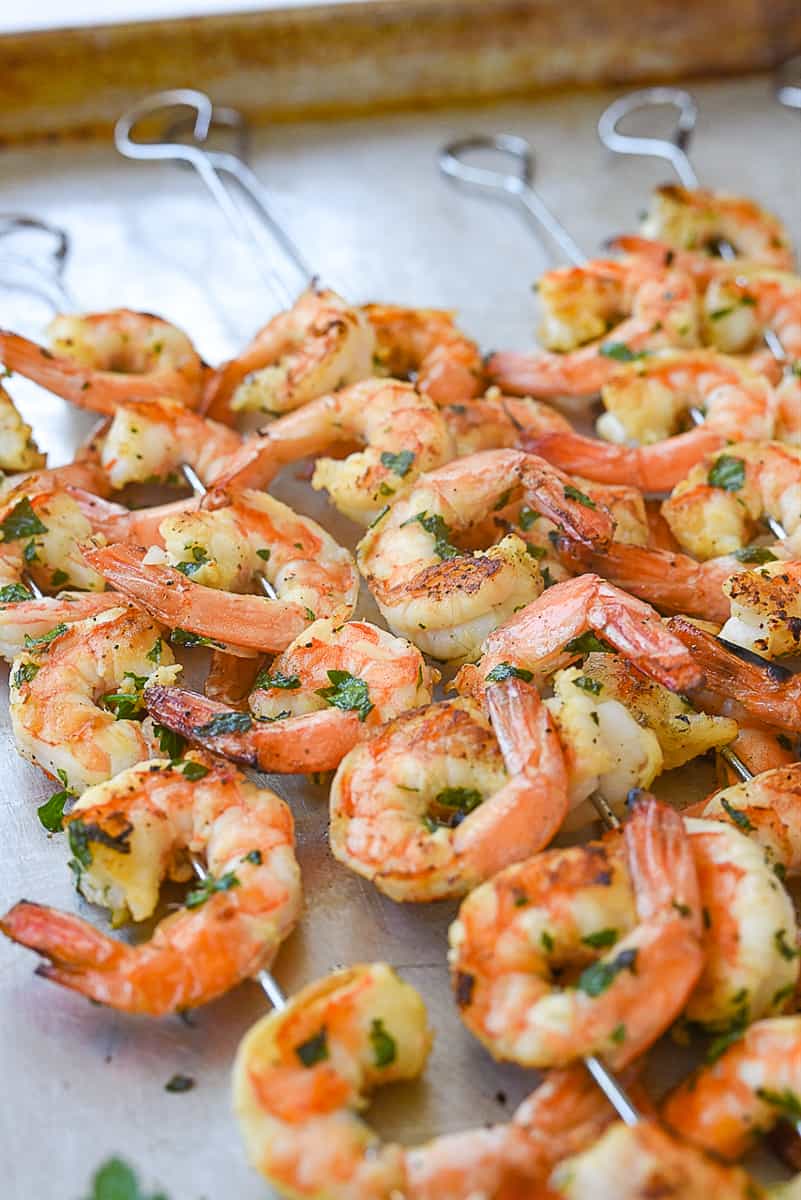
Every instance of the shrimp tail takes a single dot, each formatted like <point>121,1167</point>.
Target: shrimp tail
<point>566,505</point>
<point>67,941</point>
<point>661,863</point>
<point>315,741</point>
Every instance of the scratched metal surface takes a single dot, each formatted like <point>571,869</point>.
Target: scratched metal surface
<point>365,203</point>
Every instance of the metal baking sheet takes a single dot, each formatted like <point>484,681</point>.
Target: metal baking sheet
<point>365,202</point>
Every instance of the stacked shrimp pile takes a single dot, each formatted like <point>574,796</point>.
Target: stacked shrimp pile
<point>602,637</point>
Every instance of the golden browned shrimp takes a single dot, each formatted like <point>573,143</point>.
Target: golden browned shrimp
<point>130,833</point>
<point>102,360</point>
<point>320,344</point>
<point>424,343</point>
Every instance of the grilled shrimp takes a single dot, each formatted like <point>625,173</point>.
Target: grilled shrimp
<point>768,808</point>
<point>716,510</point>
<point>317,346</point>
<point>129,834</point>
<point>739,306</point>
<point>755,1082</point>
<point>433,803</point>
<point>23,622</point>
<point>301,1077</point>
<point>770,696</point>
<point>197,582</point>
<point>41,528</point>
<point>765,608</point>
<point>148,440</point>
<point>699,219</point>
<point>664,313</point>
<point>402,432</point>
<point>102,360</point>
<point>60,681</point>
<point>321,696</point>
<point>643,1162</point>
<point>442,599</point>
<point>550,633</point>
<point>18,449</point>
<point>580,304</point>
<point>424,343</point>
<point>542,914</point>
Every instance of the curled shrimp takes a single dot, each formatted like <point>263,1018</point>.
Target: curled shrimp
<point>102,360</point>
<point>320,344</point>
<point>129,834</point>
<point>148,440</point>
<point>447,601</point>
<point>23,622</point>
<point>653,468</point>
<point>699,219</point>
<point>503,950</point>
<point>60,681</point>
<point>41,526</point>
<point>549,633</point>
<point>424,343</point>
<point>768,695</point>
<point>717,509</point>
<point>402,432</point>
<point>18,449</point>
<point>765,603</point>
<point>643,1162</point>
<point>441,798</point>
<point>755,1082</point>
<point>331,686</point>
<point>197,583</point>
<point>739,305</point>
<point>494,421</point>
<point>768,808</point>
<point>302,1075</point>
<point>664,313</point>
<point>581,303</point>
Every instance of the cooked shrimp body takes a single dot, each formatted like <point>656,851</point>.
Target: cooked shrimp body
<point>788,417</point>
<point>664,313</point>
<point>197,582</point>
<point>425,343</point>
<point>494,421</point>
<point>761,749</point>
<point>539,637</point>
<point>765,608</point>
<point>440,798</point>
<point>442,599</point>
<point>301,1076</point>
<point>132,832</point>
<point>579,304</point>
<point>739,306</point>
<point>619,730</point>
<point>768,808</point>
<point>402,432</point>
<point>148,440</point>
<point>642,1162</point>
<point>320,344</point>
<point>543,914</point>
<point>25,621</point>
<point>102,360</point>
<point>46,523</point>
<point>60,681</point>
<point>767,695</point>
<point>18,449</point>
<point>392,673</point>
<point>699,219</point>
<point>754,1083</point>
<point>317,700</point>
<point>716,510</point>
<point>671,582</point>
<point>750,964</point>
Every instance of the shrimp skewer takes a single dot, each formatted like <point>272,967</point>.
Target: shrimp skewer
<point>102,360</point>
<point>127,835</point>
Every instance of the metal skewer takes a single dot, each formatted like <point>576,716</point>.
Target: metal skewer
<point>43,275</point>
<point>236,189</point>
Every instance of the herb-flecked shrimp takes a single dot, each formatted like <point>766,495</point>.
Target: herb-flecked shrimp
<point>445,600</point>
<point>426,344</point>
<point>129,834</point>
<point>321,696</point>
